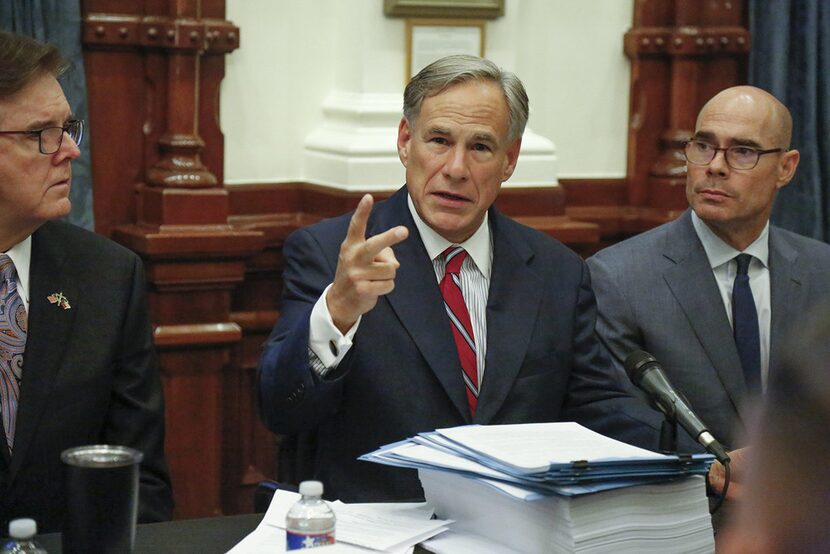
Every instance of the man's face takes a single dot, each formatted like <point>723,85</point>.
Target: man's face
<point>34,187</point>
<point>456,156</point>
<point>736,203</point>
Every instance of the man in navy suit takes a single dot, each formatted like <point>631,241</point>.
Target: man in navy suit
<point>672,290</point>
<point>77,364</point>
<point>365,351</point>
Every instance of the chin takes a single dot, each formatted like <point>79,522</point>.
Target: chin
<point>58,210</point>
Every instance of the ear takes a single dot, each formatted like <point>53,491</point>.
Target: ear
<point>786,167</point>
<point>404,137</point>
<point>512,157</point>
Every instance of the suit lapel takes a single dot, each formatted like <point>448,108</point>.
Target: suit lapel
<point>49,327</point>
<point>512,308</point>
<point>417,301</point>
<point>785,291</point>
<point>700,301</point>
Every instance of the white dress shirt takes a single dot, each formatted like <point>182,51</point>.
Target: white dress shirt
<point>328,346</point>
<point>724,266</point>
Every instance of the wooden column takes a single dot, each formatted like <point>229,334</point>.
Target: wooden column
<point>682,52</point>
<point>153,70</point>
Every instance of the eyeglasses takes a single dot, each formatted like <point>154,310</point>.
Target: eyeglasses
<point>699,152</point>
<point>50,139</point>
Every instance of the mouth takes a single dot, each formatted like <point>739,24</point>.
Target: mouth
<point>450,197</point>
<point>713,193</point>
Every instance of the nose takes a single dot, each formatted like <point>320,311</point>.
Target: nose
<point>456,168</point>
<point>718,166</point>
<point>68,151</point>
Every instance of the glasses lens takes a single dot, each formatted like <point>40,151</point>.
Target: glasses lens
<point>50,139</point>
<point>75,128</point>
<point>741,157</point>
<point>698,152</point>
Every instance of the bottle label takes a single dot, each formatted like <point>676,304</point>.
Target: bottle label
<point>299,541</point>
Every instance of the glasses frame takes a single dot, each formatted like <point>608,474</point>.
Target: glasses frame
<point>65,129</point>
<point>716,149</point>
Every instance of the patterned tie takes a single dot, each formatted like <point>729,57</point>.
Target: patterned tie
<point>12,345</point>
<point>462,329</point>
<point>745,321</point>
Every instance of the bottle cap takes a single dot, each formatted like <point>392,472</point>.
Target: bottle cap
<point>311,488</point>
<point>24,528</point>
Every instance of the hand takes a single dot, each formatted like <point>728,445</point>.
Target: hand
<point>365,268</point>
<point>717,474</point>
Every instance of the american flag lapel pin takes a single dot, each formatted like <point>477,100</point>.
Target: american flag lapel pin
<point>59,299</point>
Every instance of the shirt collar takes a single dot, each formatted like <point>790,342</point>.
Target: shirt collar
<point>720,253</point>
<point>21,254</point>
<point>478,246</point>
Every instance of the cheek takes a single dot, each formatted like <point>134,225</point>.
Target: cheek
<point>488,182</point>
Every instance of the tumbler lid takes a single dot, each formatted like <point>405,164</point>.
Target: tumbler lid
<point>311,488</point>
<point>24,528</point>
<point>101,455</point>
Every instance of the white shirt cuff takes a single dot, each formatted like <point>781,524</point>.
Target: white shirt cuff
<point>325,340</point>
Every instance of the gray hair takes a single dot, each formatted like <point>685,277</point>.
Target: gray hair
<point>452,70</point>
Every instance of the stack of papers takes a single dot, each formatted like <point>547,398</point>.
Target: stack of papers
<point>549,487</point>
<point>393,528</point>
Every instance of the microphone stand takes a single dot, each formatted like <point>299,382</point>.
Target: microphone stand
<point>668,436</point>
<point>668,445</point>
<point>668,430</point>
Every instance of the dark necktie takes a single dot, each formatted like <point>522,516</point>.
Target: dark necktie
<point>462,329</point>
<point>745,321</point>
<point>12,345</point>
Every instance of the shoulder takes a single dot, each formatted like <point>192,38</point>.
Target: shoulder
<point>81,246</point>
<point>637,249</point>
<point>800,242</point>
<point>329,233</point>
<point>815,252</point>
<point>538,242</point>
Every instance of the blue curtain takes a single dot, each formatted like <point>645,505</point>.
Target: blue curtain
<point>59,22</point>
<point>790,58</point>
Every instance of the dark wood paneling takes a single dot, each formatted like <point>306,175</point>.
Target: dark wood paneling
<point>682,52</point>
<point>154,69</point>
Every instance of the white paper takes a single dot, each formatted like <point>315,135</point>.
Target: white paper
<point>453,542</point>
<point>535,446</point>
<point>270,539</point>
<point>384,527</point>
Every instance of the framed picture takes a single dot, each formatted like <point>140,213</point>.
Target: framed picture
<point>459,9</point>
<point>430,39</point>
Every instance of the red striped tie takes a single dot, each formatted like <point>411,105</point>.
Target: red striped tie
<point>462,329</point>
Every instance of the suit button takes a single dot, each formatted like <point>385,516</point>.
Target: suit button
<point>333,348</point>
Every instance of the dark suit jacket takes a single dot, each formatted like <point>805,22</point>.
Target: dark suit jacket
<point>657,292</point>
<point>90,375</point>
<point>402,374</point>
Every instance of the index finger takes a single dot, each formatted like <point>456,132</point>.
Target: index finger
<point>357,225</point>
<point>374,245</point>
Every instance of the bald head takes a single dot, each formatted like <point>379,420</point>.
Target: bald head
<point>736,202</point>
<point>755,104</point>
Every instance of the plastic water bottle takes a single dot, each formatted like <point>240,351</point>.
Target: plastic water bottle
<point>310,521</point>
<point>22,538</point>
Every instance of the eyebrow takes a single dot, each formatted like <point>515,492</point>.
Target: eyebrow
<point>437,131</point>
<point>737,141</point>
<point>485,137</point>
<point>44,123</point>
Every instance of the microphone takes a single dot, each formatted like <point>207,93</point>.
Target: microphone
<point>647,374</point>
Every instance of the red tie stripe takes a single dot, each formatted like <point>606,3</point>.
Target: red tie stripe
<point>462,329</point>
